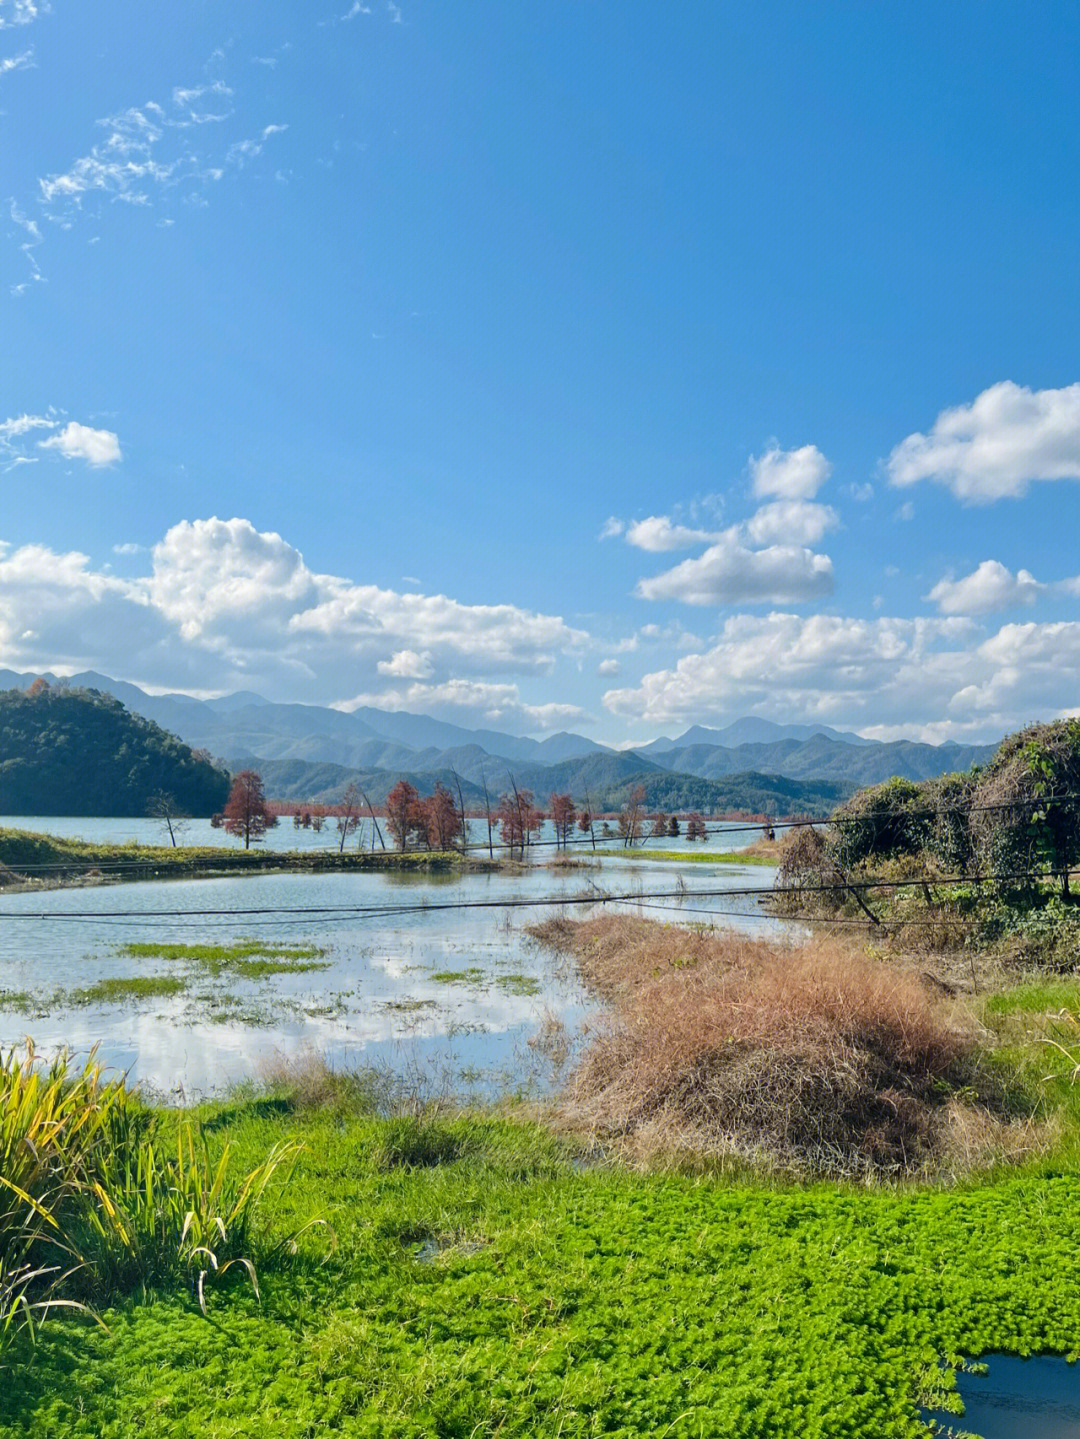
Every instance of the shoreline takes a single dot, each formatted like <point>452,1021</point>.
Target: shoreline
<point>32,861</point>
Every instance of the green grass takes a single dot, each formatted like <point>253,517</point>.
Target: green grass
<point>458,976</point>
<point>484,1284</point>
<point>522,984</point>
<point>1041,998</point>
<point>112,991</point>
<point>246,959</point>
<point>730,856</point>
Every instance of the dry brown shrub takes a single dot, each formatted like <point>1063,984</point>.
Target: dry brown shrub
<point>816,1055</point>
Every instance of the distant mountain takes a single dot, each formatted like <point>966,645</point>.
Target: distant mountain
<point>320,783</point>
<point>822,757</point>
<point>749,730</point>
<point>394,743</point>
<point>73,752</point>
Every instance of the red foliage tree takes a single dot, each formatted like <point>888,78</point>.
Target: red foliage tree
<point>563,815</point>
<point>695,827</point>
<point>404,817</point>
<point>660,826</point>
<point>246,813</point>
<point>442,819</point>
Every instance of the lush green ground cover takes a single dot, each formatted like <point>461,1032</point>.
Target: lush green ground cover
<point>485,1283</point>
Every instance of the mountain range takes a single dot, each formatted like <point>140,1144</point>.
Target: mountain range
<point>311,752</point>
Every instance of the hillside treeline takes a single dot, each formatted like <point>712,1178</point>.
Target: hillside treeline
<point>79,752</point>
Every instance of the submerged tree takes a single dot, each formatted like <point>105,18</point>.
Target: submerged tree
<point>247,814</point>
<point>163,806</point>
<point>348,815</point>
<point>403,816</point>
<point>563,815</point>
<point>631,817</point>
<point>443,823</point>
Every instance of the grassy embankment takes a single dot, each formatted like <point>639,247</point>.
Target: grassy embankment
<point>41,859</point>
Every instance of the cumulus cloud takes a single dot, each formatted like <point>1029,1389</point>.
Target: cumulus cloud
<point>789,474</point>
<point>407,665</point>
<point>658,533</point>
<point>989,587</point>
<point>475,701</point>
<point>995,447</point>
<point>938,678</point>
<point>608,667</point>
<point>231,606</point>
<point>791,522</point>
<point>728,573</point>
<point>823,667</point>
<point>80,442</point>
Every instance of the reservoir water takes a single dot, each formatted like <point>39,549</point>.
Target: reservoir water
<point>406,979</point>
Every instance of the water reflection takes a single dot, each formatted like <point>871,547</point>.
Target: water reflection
<point>457,991</point>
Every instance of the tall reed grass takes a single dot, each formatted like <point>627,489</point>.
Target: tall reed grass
<point>94,1202</point>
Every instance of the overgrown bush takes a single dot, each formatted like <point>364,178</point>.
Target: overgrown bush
<point>948,831</point>
<point>1026,805</point>
<point>816,1056</point>
<point>878,822</point>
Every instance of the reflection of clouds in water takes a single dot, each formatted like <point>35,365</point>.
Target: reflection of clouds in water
<point>374,962</point>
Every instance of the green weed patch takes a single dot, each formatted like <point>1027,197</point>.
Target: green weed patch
<point>247,959</point>
<point>484,1283</point>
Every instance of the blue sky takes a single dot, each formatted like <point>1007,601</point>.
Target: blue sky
<point>592,366</point>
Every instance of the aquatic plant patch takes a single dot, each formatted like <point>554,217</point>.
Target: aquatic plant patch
<point>247,959</point>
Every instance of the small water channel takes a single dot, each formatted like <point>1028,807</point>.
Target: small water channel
<point>1019,1399</point>
<point>452,993</point>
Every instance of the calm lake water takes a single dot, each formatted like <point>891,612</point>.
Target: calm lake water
<point>286,836</point>
<point>453,994</point>
<point>1020,1399</point>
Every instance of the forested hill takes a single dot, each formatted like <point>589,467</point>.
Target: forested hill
<point>80,752</point>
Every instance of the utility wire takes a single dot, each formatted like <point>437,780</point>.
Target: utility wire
<point>598,896</point>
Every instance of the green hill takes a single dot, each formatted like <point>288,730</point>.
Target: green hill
<point>80,752</point>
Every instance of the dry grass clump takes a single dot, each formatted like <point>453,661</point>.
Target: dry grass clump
<point>815,1056</point>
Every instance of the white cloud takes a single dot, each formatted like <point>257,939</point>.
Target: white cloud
<point>79,442</point>
<point>861,493</point>
<point>658,534</point>
<point>612,527</point>
<point>790,474</point>
<point>989,587</point>
<point>728,573</point>
<point>23,61</point>
<point>407,665</point>
<point>1007,438</point>
<point>226,606</point>
<point>20,425</point>
<point>21,12</point>
<point>791,522</point>
<point>608,667</point>
<point>939,678</point>
<point>148,154</point>
<point>475,701</point>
